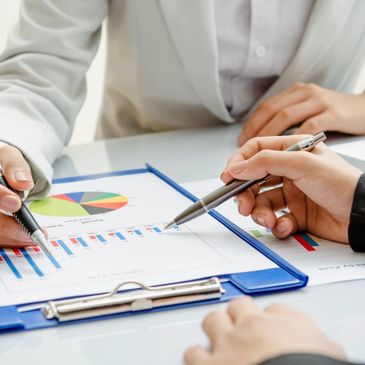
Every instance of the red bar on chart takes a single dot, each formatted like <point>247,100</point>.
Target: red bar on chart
<point>37,249</point>
<point>17,252</point>
<point>92,237</point>
<point>74,241</point>
<point>303,242</point>
<point>1,260</point>
<point>55,244</point>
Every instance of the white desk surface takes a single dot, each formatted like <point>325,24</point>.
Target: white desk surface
<point>161,338</point>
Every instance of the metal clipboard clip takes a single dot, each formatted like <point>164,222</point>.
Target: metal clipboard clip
<point>137,300</point>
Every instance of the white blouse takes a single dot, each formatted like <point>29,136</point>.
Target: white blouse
<point>256,41</point>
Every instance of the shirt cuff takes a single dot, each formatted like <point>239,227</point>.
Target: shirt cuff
<point>357,218</point>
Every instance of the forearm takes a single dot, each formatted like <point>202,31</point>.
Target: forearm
<point>42,77</point>
<point>357,219</point>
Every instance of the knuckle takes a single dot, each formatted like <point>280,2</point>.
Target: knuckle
<point>312,89</point>
<point>10,150</point>
<point>253,321</point>
<point>190,354</point>
<point>267,106</point>
<point>285,114</point>
<point>298,85</point>
<point>312,124</point>
<point>12,154</point>
<point>210,318</point>
<point>263,155</point>
<point>276,307</point>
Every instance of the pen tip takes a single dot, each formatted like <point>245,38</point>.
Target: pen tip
<point>170,225</point>
<point>40,239</point>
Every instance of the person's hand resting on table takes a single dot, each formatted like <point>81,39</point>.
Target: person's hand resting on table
<point>309,107</point>
<point>248,335</point>
<point>317,187</point>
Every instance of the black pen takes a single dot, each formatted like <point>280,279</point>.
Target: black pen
<point>235,187</point>
<point>26,220</point>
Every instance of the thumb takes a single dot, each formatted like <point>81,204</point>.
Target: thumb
<point>15,169</point>
<point>292,165</point>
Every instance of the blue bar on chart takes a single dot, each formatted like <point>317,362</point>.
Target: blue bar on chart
<point>10,264</point>
<point>82,242</point>
<point>53,261</point>
<point>120,236</point>
<point>65,247</point>
<point>101,238</point>
<point>138,232</point>
<point>31,262</point>
<point>156,229</point>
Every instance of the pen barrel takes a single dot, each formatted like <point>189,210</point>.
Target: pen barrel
<point>26,220</point>
<point>228,191</point>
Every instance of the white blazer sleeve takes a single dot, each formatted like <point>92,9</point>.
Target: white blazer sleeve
<point>42,77</point>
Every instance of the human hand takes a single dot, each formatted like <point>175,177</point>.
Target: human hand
<point>318,110</point>
<point>248,335</point>
<point>317,187</point>
<point>19,177</point>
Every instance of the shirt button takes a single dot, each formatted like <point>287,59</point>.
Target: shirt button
<point>260,51</point>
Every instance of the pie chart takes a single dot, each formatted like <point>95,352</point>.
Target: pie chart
<point>78,204</point>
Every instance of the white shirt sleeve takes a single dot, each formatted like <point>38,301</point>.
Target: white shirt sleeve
<point>42,78</point>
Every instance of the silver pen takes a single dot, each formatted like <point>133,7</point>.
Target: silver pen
<point>235,187</point>
<point>26,220</point>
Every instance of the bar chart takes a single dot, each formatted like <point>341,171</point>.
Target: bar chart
<point>306,241</point>
<point>31,261</point>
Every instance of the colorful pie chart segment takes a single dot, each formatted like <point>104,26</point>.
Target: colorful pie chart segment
<point>78,204</point>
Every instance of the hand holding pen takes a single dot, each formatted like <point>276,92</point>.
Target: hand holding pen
<point>237,186</point>
<point>317,188</point>
<point>16,179</point>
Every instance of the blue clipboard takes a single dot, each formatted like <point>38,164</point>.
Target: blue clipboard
<point>284,277</point>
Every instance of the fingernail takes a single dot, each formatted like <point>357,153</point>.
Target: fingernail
<point>236,200</point>
<point>281,227</point>
<point>22,176</point>
<point>223,174</point>
<point>238,167</point>
<point>260,219</point>
<point>9,202</point>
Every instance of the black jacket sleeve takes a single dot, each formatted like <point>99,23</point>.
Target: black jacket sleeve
<point>356,229</point>
<point>304,359</point>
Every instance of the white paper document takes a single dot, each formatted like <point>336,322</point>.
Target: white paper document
<point>107,230</point>
<point>354,148</point>
<point>323,261</point>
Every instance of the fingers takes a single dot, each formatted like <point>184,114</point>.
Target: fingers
<point>11,232</point>
<point>268,109</point>
<point>16,169</point>
<point>255,145</point>
<point>316,124</point>
<point>278,163</point>
<point>216,324</point>
<point>266,205</point>
<point>285,226</point>
<point>9,201</point>
<point>289,117</point>
<point>241,309</point>
<point>196,356</point>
